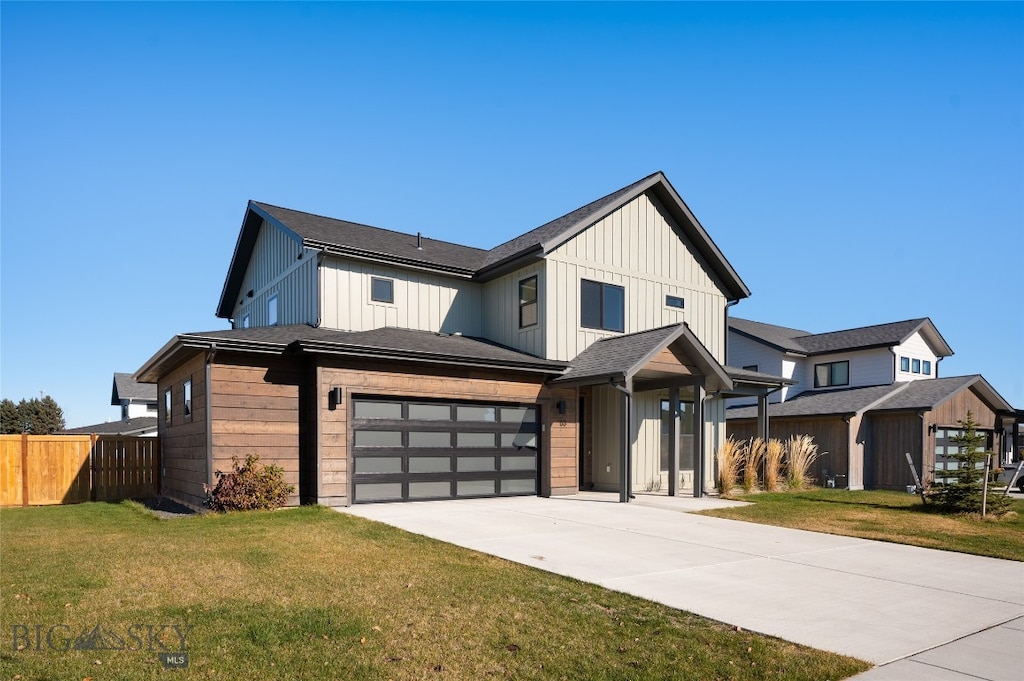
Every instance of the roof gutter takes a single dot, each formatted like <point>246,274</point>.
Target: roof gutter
<point>387,259</point>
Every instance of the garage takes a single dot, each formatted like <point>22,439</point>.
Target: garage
<point>417,450</point>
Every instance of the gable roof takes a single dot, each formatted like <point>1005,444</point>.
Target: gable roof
<point>623,357</point>
<point>125,388</point>
<point>354,240</point>
<point>925,394</point>
<point>383,343</point>
<point>861,338</point>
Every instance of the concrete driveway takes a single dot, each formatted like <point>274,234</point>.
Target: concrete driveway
<point>920,613</point>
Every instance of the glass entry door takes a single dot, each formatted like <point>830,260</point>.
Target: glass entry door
<point>686,429</point>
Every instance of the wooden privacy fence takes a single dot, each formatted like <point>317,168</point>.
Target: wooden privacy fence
<point>39,470</point>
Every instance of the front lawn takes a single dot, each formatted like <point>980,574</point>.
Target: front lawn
<point>887,516</point>
<point>99,590</point>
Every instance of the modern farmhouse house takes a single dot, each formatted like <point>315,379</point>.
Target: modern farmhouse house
<point>868,396</point>
<point>376,365</point>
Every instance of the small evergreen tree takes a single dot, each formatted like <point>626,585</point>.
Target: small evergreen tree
<point>10,419</point>
<point>964,494</point>
<point>38,416</point>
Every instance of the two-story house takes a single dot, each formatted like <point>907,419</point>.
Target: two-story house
<point>137,402</point>
<point>375,365</point>
<point>868,396</point>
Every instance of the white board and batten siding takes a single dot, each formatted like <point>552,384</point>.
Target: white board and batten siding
<point>422,301</point>
<point>501,311</point>
<point>867,367</point>
<point>915,347</point>
<point>638,248</point>
<point>275,268</point>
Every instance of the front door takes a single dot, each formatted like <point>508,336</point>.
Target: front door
<point>686,416</point>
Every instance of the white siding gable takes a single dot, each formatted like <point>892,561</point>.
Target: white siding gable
<point>867,367</point>
<point>422,301</point>
<point>915,348</point>
<point>638,248</point>
<point>280,265</point>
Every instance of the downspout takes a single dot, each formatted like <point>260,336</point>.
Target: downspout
<point>728,304</point>
<point>319,289</point>
<point>211,353</point>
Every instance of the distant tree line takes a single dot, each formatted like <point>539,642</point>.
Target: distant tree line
<point>38,416</point>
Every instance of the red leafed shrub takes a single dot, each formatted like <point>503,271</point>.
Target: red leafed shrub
<point>249,487</point>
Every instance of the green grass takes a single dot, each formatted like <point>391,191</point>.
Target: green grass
<point>309,593</point>
<point>887,516</point>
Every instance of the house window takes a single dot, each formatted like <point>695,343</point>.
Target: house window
<point>916,366</point>
<point>188,398</point>
<point>167,406</point>
<point>382,290</point>
<point>905,364</point>
<point>246,321</point>
<point>750,367</point>
<point>833,373</point>
<point>124,412</point>
<point>675,301</point>
<point>926,368</point>
<point>272,310</point>
<point>528,302</point>
<point>602,306</point>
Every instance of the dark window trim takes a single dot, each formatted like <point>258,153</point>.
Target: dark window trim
<point>831,381</point>
<point>926,367</point>
<point>676,302</point>
<point>603,323</point>
<point>750,367</point>
<point>168,405</point>
<point>905,364</point>
<point>186,398</point>
<point>391,290</point>
<point>523,304</point>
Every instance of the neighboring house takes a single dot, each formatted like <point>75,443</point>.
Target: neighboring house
<point>374,365</point>
<point>138,410</point>
<point>868,396</point>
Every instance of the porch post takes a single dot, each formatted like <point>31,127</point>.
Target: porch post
<point>698,439</point>
<point>626,464</point>
<point>673,441</point>
<point>762,416</point>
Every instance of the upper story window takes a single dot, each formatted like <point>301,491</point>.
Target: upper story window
<point>915,366</point>
<point>675,301</point>
<point>905,364</point>
<point>382,290</point>
<point>246,321</point>
<point>167,406</point>
<point>124,412</point>
<point>187,393</point>
<point>833,373</point>
<point>528,302</point>
<point>750,367</point>
<point>272,310</point>
<point>926,368</point>
<point>602,306</point>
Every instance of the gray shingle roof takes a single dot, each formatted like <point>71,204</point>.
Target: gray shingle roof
<point>617,355</point>
<point>746,375</point>
<point>929,393</point>
<point>363,241</point>
<point>820,403</point>
<point>132,426</point>
<point>877,335</point>
<point>354,236</point>
<point>383,343</point>
<point>125,388</point>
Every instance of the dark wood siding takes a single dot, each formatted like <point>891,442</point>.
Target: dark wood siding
<point>891,437</point>
<point>183,441</point>
<point>829,433</point>
<point>955,409</point>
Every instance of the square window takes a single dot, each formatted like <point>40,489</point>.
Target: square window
<point>382,290</point>
<point>926,368</point>
<point>528,302</point>
<point>675,301</point>
<point>602,306</point>
<point>904,364</point>
<point>272,310</point>
<point>915,366</point>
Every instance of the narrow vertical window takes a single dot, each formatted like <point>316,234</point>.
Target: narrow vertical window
<point>916,366</point>
<point>528,302</point>
<point>272,310</point>
<point>905,364</point>
<point>188,398</point>
<point>246,321</point>
<point>167,406</point>
<point>926,368</point>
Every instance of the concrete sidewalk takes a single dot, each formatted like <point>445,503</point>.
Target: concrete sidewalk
<point>919,613</point>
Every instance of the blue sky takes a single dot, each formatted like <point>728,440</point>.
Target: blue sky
<point>857,163</point>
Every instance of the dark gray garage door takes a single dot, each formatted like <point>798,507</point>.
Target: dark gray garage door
<point>413,450</point>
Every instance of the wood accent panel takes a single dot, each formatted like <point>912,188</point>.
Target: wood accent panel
<point>829,433</point>
<point>955,409</point>
<point>891,437</point>
<point>184,469</point>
